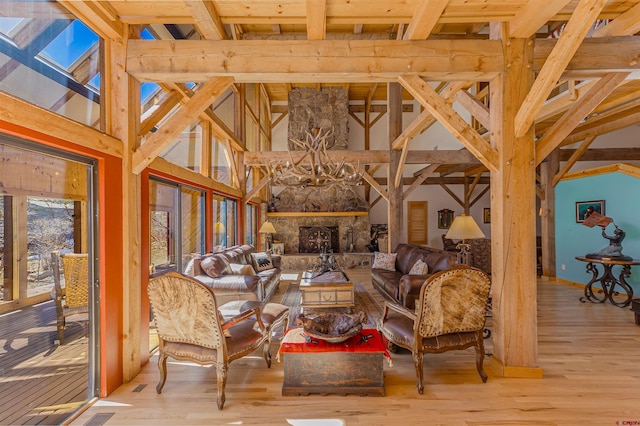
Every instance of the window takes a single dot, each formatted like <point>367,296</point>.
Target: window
<point>224,225</point>
<point>176,224</point>
<point>52,61</point>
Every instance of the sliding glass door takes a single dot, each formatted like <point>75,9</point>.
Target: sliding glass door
<point>47,218</point>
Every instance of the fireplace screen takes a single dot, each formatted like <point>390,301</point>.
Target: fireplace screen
<point>315,239</point>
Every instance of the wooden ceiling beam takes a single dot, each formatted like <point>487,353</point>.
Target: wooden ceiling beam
<point>206,19</point>
<point>312,61</point>
<point>596,127</point>
<point>477,109</point>
<point>165,135</point>
<point>451,120</point>
<point>316,19</point>
<point>603,154</point>
<point>580,109</point>
<point>262,158</point>
<point>21,113</point>
<point>532,16</point>
<point>574,32</point>
<point>374,184</point>
<point>627,23</point>
<point>584,146</point>
<point>424,174</point>
<point>426,119</point>
<point>424,19</point>
<point>99,16</point>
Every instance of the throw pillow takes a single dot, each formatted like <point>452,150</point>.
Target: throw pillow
<point>193,267</point>
<point>241,269</point>
<point>386,261</point>
<point>215,265</point>
<point>261,261</point>
<point>419,268</point>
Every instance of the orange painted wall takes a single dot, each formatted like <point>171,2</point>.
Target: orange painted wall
<point>109,251</point>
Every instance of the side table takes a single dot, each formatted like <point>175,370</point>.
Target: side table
<point>608,281</point>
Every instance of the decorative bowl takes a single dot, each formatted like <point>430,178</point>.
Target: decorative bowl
<point>332,328</point>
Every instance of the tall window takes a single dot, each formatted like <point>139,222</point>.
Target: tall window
<point>225,212</point>
<point>251,224</point>
<point>176,224</point>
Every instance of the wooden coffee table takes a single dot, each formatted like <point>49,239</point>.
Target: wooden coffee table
<point>352,367</point>
<point>329,290</point>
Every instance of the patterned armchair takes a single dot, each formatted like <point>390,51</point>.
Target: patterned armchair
<point>190,327</point>
<point>449,314</point>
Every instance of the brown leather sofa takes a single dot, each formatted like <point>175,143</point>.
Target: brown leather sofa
<point>401,287</point>
<point>226,273</point>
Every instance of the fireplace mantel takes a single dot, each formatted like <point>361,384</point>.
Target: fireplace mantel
<point>316,214</point>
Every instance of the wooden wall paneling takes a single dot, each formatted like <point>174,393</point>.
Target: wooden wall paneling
<point>513,226</point>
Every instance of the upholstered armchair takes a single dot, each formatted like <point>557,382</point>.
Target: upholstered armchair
<point>449,314</point>
<point>74,299</point>
<point>190,327</point>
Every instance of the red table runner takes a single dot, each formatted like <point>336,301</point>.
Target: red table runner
<point>368,341</point>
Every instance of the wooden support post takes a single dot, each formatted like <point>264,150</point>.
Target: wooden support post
<point>394,206</point>
<point>548,171</point>
<point>513,223</point>
<point>122,93</point>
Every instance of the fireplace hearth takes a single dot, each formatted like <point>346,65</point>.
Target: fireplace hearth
<point>316,239</point>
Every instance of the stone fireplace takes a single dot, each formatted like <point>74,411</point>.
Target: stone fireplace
<point>316,239</point>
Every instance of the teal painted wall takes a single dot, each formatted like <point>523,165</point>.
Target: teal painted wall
<point>622,203</point>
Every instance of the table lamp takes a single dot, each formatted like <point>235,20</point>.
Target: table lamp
<point>219,230</point>
<point>464,228</point>
<point>267,228</point>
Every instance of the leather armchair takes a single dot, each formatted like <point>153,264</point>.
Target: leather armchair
<point>190,327</point>
<point>449,314</point>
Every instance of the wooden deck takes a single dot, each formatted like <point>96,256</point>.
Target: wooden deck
<point>589,354</point>
<point>41,383</point>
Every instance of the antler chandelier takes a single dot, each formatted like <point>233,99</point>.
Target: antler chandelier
<point>314,167</point>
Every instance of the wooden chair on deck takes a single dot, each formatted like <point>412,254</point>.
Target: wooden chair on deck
<point>74,299</point>
<point>450,314</point>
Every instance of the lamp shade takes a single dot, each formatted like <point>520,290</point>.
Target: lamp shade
<point>219,228</point>
<point>267,228</point>
<point>464,228</point>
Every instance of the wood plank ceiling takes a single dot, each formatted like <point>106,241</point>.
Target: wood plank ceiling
<point>588,87</point>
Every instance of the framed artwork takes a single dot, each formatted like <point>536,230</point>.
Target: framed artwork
<point>445,217</point>
<point>585,208</point>
<point>277,248</point>
<point>486,215</point>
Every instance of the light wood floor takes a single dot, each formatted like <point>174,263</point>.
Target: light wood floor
<point>590,354</point>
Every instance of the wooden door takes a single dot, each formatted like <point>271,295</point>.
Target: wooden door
<point>417,230</point>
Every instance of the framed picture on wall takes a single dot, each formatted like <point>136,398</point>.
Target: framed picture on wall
<point>277,248</point>
<point>486,215</point>
<point>585,208</point>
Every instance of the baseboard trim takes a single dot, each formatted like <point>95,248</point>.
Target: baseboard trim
<point>516,372</point>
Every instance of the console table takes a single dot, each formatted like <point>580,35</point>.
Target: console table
<point>608,281</point>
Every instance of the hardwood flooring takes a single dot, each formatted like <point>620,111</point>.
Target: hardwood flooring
<point>589,354</point>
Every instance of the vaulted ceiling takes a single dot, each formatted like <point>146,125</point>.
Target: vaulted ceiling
<point>585,55</point>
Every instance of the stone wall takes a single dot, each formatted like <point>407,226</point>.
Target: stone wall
<point>320,199</point>
<point>325,109</point>
<point>287,231</point>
